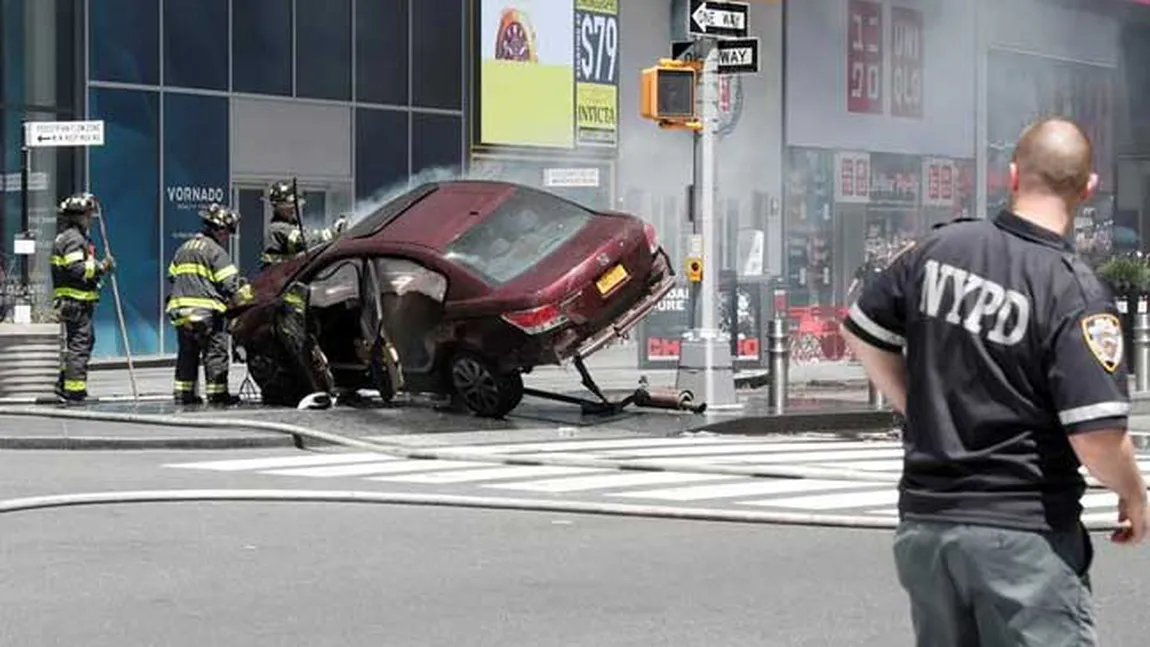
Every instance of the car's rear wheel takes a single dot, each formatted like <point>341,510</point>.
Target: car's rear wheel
<point>484,390</point>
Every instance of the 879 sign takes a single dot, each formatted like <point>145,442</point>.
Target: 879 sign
<point>596,70</point>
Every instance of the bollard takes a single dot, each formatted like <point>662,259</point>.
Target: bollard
<point>778,352</point>
<point>875,397</point>
<point>1141,352</point>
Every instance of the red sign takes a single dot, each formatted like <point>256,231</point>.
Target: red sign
<point>864,56</point>
<point>661,348</point>
<point>906,62</point>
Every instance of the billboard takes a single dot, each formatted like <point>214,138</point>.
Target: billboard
<point>527,75</point>
<point>894,76</point>
<point>597,72</point>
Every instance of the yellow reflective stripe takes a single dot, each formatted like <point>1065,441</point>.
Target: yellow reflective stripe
<point>75,385</point>
<point>294,299</point>
<point>196,302</point>
<point>67,259</point>
<point>89,269</point>
<point>215,389</point>
<point>79,295</point>
<point>326,234</point>
<point>226,273</point>
<point>277,258</point>
<point>184,387</point>
<point>294,236</point>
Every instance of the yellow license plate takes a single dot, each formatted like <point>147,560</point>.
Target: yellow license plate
<point>612,278</point>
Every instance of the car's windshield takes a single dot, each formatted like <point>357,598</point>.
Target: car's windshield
<point>525,229</point>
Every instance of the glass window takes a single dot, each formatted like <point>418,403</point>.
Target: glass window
<point>381,51</point>
<point>525,229</point>
<point>380,152</point>
<point>323,49</point>
<point>261,46</point>
<point>126,179</point>
<point>125,41</point>
<point>437,142</point>
<point>437,54</point>
<point>335,285</point>
<point>195,44</point>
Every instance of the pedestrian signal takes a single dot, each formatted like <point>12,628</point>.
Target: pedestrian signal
<point>668,94</point>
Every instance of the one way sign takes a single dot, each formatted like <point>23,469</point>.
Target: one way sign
<point>738,55</point>
<point>721,19</point>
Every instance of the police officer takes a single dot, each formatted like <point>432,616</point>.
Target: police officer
<point>76,278</point>
<point>285,239</point>
<point>1013,376</point>
<point>204,281</point>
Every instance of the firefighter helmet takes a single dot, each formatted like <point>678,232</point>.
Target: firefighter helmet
<point>78,205</point>
<point>281,194</point>
<point>221,217</point>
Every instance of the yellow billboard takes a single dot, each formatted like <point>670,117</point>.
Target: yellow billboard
<point>597,72</point>
<point>526,73</point>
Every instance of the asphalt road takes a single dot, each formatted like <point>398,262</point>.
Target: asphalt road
<point>340,574</point>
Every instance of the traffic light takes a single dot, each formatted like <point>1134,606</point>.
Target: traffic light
<point>668,94</point>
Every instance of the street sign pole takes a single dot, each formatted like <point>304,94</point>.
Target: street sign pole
<point>25,227</point>
<point>710,55</point>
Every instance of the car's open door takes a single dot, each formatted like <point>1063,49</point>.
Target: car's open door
<point>386,370</point>
<point>295,336</point>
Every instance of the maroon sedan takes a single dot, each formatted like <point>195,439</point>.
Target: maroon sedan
<point>453,288</point>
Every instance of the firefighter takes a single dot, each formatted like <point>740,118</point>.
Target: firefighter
<point>285,238</point>
<point>76,278</point>
<point>204,282</point>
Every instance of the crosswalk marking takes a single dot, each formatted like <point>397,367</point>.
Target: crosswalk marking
<point>680,482</point>
<point>487,474</point>
<point>616,480</point>
<point>731,448</point>
<point>743,488</point>
<point>382,467</point>
<point>293,460</point>
<point>832,501</point>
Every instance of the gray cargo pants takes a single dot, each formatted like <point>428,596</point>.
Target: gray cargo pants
<point>977,586</point>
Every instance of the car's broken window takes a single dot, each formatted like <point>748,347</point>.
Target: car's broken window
<point>400,276</point>
<point>523,231</point>
<point>335,284</point>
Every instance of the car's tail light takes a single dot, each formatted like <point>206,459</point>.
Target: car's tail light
<point>652,237</point>
<point>536,320</point>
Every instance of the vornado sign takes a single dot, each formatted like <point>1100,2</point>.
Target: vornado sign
<point>194,197</point>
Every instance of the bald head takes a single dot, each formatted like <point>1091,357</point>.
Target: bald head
<point>1053,158</point>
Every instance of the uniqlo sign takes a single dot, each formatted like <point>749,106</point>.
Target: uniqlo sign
<point>852,177</point>
<point>906,62</point>
<point>864,57</point>
<point>940,179</point>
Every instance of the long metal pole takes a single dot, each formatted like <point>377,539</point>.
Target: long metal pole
<point>119,310</point>
<point>707,197</point>
<point>981,129</point>
<point>25,162</point>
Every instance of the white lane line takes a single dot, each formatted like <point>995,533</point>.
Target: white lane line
<point>884,512</point>
<point>295,460</point>
<point>882,465</point>
<point>1101,517</point>
<point>832,501</point>
<point>769,448</point>
<point>811,457</point>
<point>1100,500</point>
<point>583,445</point>
<point>630,479</point>
<point>397,467</point>
<point>744,488</point>
<point>487,474</point>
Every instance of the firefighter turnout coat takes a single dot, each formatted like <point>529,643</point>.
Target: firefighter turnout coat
<point>75,272</point>
<point>284,241</point>
<point>204,281</point>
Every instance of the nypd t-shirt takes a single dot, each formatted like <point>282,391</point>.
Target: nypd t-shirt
<point>1012,345</point>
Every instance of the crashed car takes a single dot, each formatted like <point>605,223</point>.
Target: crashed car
<point>454,288</point>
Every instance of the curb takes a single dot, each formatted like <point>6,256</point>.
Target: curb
<point>845,423</point>
<point>93,443</point>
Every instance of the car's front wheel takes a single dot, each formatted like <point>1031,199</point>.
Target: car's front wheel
<point>482,389</point>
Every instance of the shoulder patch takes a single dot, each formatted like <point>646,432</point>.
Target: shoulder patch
<point>1103,335</point>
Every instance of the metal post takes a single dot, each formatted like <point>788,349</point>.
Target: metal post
<point>875,397</point>
<point>1142,352</point>
<point>778,353</point>
<point>25,162</point>
<point>707,199</point>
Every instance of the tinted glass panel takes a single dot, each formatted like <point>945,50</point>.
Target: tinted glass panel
<point>261,46</point>
<point>126,179</point>
<point>381,51</point>
<point>125,41</point>
<point>195,56</point>
<point>522,232</point>
<point>380,152</point>
<point>437,52</point>
<point>323,49</point>
<point>436,142</point>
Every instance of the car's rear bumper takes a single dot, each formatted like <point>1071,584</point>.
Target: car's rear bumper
<point>631,318</point>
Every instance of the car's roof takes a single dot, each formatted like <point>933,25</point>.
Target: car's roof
<point>432,214</point>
